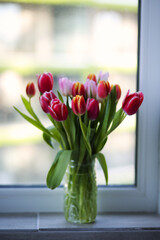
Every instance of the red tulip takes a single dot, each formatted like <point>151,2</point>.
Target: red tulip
<point>58,110</point>
<point>118,91</point>
<point>78,105</point>
<point>30,90</point>
<point>45,82</point>
<point>92,77</point>
<point>103,89</point>
<point>45,100</point>
<point>132,102</point>
<point>92,108</point>
<point>78,89</point>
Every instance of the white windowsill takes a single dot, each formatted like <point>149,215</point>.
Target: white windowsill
<point>54,226</point>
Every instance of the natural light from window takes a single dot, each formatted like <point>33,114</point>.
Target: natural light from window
<point>67,40</point>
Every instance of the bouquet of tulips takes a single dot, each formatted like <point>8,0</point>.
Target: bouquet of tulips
<point>83,122</point>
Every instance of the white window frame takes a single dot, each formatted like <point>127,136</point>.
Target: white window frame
<point>145,196</point>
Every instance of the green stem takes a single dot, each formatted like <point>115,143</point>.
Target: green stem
<point>68,136</point>
<point>59,128</point>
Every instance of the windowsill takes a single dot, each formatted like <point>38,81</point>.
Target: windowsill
<point>54,226</point>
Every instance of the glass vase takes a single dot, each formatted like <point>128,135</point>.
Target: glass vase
<point>80,202</point>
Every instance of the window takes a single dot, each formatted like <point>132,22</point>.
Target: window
<point>144,196</point>
<point>78,40</point>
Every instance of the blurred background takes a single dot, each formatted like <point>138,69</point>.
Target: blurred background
<point>67,38</point>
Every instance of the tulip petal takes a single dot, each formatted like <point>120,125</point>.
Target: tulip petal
<point>53,113</point>
<point>132,106</point>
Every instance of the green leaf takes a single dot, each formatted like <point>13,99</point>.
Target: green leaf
<point>84,133</point>
<point>55,133</point>
<point>28,107</point>
<point>101,144</point>
<point>89,130</point>
<point>72,125</point>
<point>61,131</point>
<point>103,164</point>
<point>60,97</point>
<point>118,118</point>
<point>47,139</point>
<point>113,95</point>
<point>110,109</point>
<point>70,129</point>
<point>58,168</point>
<point>103,124</point>
<point>106,116</point>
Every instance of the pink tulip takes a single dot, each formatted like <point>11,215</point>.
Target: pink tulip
<point>78,89</point>
<point>45,100</point>
<point>30,90</point>
<point>103,89</point>
<point>45,82</point>
<point>103,76</point>
<point>90,88</point>
<point>92,108</point>
<point>132,102</point>
<point>92,77</point>
<point>78,105</point>
<point>58,110</point>
<point>65,86</point>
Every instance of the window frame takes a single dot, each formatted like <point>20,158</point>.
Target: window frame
<point>144,196</point>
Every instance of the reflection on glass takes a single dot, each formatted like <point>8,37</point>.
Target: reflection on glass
<point>68,40</point>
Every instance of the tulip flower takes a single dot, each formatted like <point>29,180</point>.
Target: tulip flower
<point>92,77</point>
<point>45,82</point>
<point>45,100</point>
<point>132,102</point>
<point>103,89</point>
<point>103,76</point>
<point>78,105</point>
<point>90,88</point>
<point>92,108</point>
<point>78,89</point>
<point>118,91</point>
<point>65,86</point>
<point>30,90</point>
<point>58,110</point>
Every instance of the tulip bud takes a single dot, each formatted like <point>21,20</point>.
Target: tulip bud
<point>132,102</point>
<point>92,77</point>
<point>45,82</point>
<point>45,100</point>
<point>103,89</point>
<point>65,86</point>
<point>58,110</point>
<point>78,89</point>
<point>78,105</point>
<point>90,88</point>
<point>30,90</point>
<point>118,91</point>
<point>92,108</point>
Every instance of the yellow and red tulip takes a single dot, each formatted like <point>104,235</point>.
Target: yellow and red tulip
<point>78,89</point>
<point>78,105</point>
